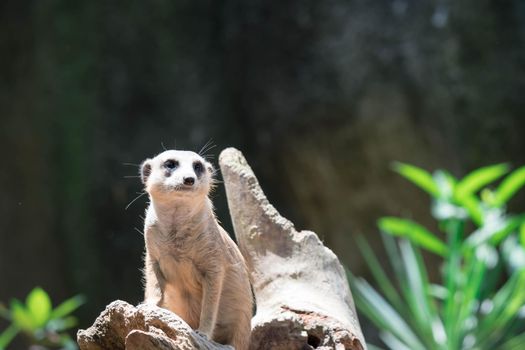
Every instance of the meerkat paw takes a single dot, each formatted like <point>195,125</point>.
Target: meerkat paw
<point>203,334</point>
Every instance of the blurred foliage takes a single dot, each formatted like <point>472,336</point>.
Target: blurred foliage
<point>38,320</point>
<point>479,302</point>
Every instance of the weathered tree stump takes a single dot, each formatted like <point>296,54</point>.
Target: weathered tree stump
<point>144,327</point>
<point>301,291</point>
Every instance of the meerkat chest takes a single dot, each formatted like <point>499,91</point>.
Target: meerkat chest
<point>179,271</point>
<point>159,244</point>
<point>174,259</point>
<point>181,288</point>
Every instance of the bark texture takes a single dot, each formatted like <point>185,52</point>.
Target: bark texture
<point>301,290</point>
<point>302,294</point>
<point>124,326</point>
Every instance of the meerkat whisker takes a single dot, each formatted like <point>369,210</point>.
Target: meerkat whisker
<point>208,156</point>
<point>203,147</point>
<point>207,146</point>
<point>133,201</point>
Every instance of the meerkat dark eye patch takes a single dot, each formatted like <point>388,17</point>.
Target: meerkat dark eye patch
<point>198,168</point>
<point>171,164</point>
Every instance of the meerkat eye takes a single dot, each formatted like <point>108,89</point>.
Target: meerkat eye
<point>171,164</point>
<point>198,167</point>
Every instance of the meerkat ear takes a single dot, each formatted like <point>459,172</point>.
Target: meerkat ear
<point>210,168</point>
<point>145,171</point>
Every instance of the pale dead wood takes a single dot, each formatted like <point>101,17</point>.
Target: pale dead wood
<point>302,294</point>
<point>145,327</point>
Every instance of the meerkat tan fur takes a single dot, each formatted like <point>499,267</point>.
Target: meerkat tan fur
<point>192,267</point>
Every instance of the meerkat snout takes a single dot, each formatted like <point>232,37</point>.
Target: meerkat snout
<point>189,181</point>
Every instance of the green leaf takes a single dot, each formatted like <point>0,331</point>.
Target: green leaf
<point>471,203</point>
<point>379,274</point>
<point>21,316</point>
<point>487,196</point>
<point>393,342</point>
<point>39,306</point>
<point>373,347</point>
<point>417,176</point>
<point>479,178</point>
<point>514,343</point>
<point>513,253</point>
<point>495,229</point>
<point>62,324</point>
<point>395,259</point>
<point>506,305</point>
<point>381,313</point>
<point>452,273</point>
<point>438,291</point>
<point>414,232</point>
<point>510,310</point>
<point>513,224</point>
<point>7,336</point>
<point>522,234</point>
<point>68,306</point>
<point>509,186</point>
<point>445,210</point>
<point>445,182</point>
<point>468,298</point>
<point>419,301</point>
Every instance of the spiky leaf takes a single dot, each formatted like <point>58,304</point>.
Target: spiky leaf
<point>416,233</point>
<point>21,317</point>
<point>479,178</point>
<point>509,186</point>
<point>7,336</point>
<point>417,176</point>
<point>68,306</point>
<point>39,306</point>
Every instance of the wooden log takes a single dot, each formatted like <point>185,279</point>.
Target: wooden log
<point>144,327</point>
<point>301,290</point>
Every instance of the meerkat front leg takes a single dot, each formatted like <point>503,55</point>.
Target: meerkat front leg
<point>211,295</point>
<point>153,280</point>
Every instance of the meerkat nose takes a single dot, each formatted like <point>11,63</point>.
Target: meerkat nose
<point>189,181</point>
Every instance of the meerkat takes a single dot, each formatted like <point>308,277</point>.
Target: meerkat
<point>192,267</point>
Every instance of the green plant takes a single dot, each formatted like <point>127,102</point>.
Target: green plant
<point>479,302</point>
<point>39,321</point>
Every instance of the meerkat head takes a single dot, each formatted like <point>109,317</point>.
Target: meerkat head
<point>177,174</point>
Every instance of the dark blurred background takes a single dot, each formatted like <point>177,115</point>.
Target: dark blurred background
<point>321,96</point>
